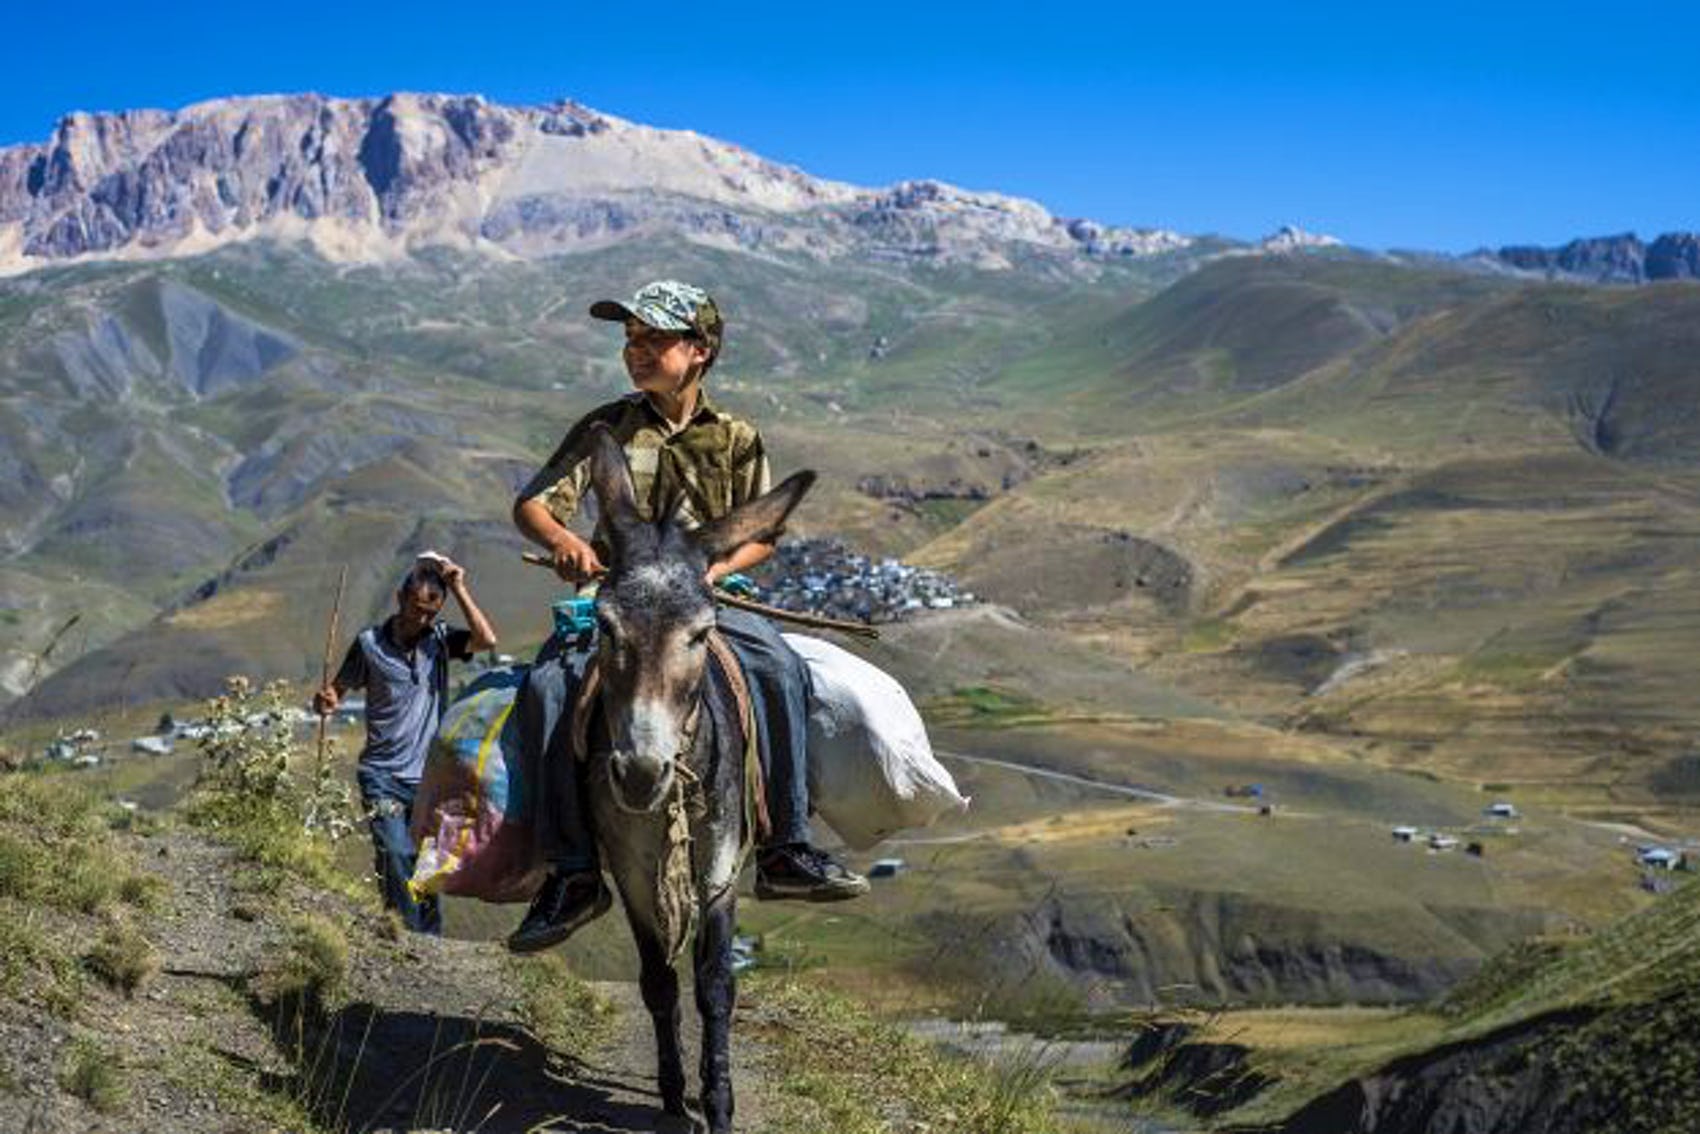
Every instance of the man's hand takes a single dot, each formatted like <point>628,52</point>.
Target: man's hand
<point>326,700</point>
<point>575,560</point>
<point>453,573</point>
<point>482,634</point>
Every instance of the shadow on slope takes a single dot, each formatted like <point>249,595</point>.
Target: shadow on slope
<point>369,1068</point>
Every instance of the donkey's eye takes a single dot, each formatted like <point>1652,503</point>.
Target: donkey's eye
<point>700,637</point>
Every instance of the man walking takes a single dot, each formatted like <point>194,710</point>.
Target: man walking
<point>403,665</point>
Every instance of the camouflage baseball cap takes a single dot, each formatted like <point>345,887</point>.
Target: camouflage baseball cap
<point>668,305</point>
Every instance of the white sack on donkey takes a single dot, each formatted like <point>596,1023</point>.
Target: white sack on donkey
<point>872,771</point>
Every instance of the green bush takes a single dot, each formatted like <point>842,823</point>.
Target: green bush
<point>123,958</point>
<point>92,1074</point>
<point>312,969</point>
<point>250,761</point>
<point>275,803</point>
<point>563,1011</point>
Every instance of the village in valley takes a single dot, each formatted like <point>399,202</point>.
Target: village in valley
<point>824,576</point>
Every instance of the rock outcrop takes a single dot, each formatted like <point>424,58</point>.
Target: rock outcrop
<point>1202,948</point>
<point>1622,259</point>
<point>371,179</point>
<point>1674,256</point>
<point>1292,238</point>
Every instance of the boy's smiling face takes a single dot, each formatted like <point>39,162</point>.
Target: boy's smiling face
<point>661,362</point>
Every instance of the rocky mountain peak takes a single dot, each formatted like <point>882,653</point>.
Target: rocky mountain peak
<point>1292,238</point>
<point>1621,259</point>
<point>375,178</point>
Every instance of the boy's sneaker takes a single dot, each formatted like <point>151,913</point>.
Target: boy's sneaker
<point>566,902</point>
<point>799,872</point>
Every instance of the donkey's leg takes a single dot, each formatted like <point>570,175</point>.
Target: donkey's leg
<point>660,986</point>
<point>717,995</point>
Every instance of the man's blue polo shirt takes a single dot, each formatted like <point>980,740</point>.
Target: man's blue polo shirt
<point>407,692</point>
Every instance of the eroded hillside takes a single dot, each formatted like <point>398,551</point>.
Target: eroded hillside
<point>1443,518</point>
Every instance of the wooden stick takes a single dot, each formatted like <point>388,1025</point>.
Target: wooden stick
<point>817,621</point>
<point>325,670</point>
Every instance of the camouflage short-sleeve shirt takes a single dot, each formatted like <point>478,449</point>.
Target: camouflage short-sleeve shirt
<point>711,465</point>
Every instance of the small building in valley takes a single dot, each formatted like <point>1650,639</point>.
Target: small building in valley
<point>1661,858</point>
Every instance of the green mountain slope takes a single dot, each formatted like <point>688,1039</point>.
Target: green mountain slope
<point>1587,1035</point>
<point>165,421</point>
<point>1610,371</point>
<point>1234,328</point>
<point>1443,518</point>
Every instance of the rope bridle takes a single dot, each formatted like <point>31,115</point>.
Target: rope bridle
<point>677,900</point>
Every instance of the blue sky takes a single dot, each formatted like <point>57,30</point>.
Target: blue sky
<point>1442,125</point>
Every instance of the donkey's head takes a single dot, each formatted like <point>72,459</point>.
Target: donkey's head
<point>654,612</point>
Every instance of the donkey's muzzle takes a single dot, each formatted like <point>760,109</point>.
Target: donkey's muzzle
<point>640,785</point>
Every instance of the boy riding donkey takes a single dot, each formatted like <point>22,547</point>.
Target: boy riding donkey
<point>686,454</point>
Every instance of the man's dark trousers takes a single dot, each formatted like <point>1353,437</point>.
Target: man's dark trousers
<point>389,806</point>
<point>779,685</point>
<point>564,837</point>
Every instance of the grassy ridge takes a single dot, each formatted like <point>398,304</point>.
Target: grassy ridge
<point>1611,1014</point>
<point>845,1073</point>
<point>266,1023</point>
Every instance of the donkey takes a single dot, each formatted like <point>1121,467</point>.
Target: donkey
<point>667,776</point>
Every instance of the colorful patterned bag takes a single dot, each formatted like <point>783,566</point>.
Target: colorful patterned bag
<point>471,819</point>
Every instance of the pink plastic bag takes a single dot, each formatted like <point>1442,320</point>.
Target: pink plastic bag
<point>471,820</point>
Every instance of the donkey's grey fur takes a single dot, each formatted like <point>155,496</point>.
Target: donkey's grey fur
<point>659,709</point>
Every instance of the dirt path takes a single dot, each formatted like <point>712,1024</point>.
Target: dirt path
<point>460,1059</point>
<point>435,1038</point>
<point>1125,790</point>
<point>430,1034</point>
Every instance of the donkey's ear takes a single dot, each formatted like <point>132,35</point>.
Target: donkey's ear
<point>611,480</point>
<point>755,521</point>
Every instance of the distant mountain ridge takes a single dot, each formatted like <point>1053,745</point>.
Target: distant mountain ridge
<point>1611,259</point>
<point>371,179</point>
